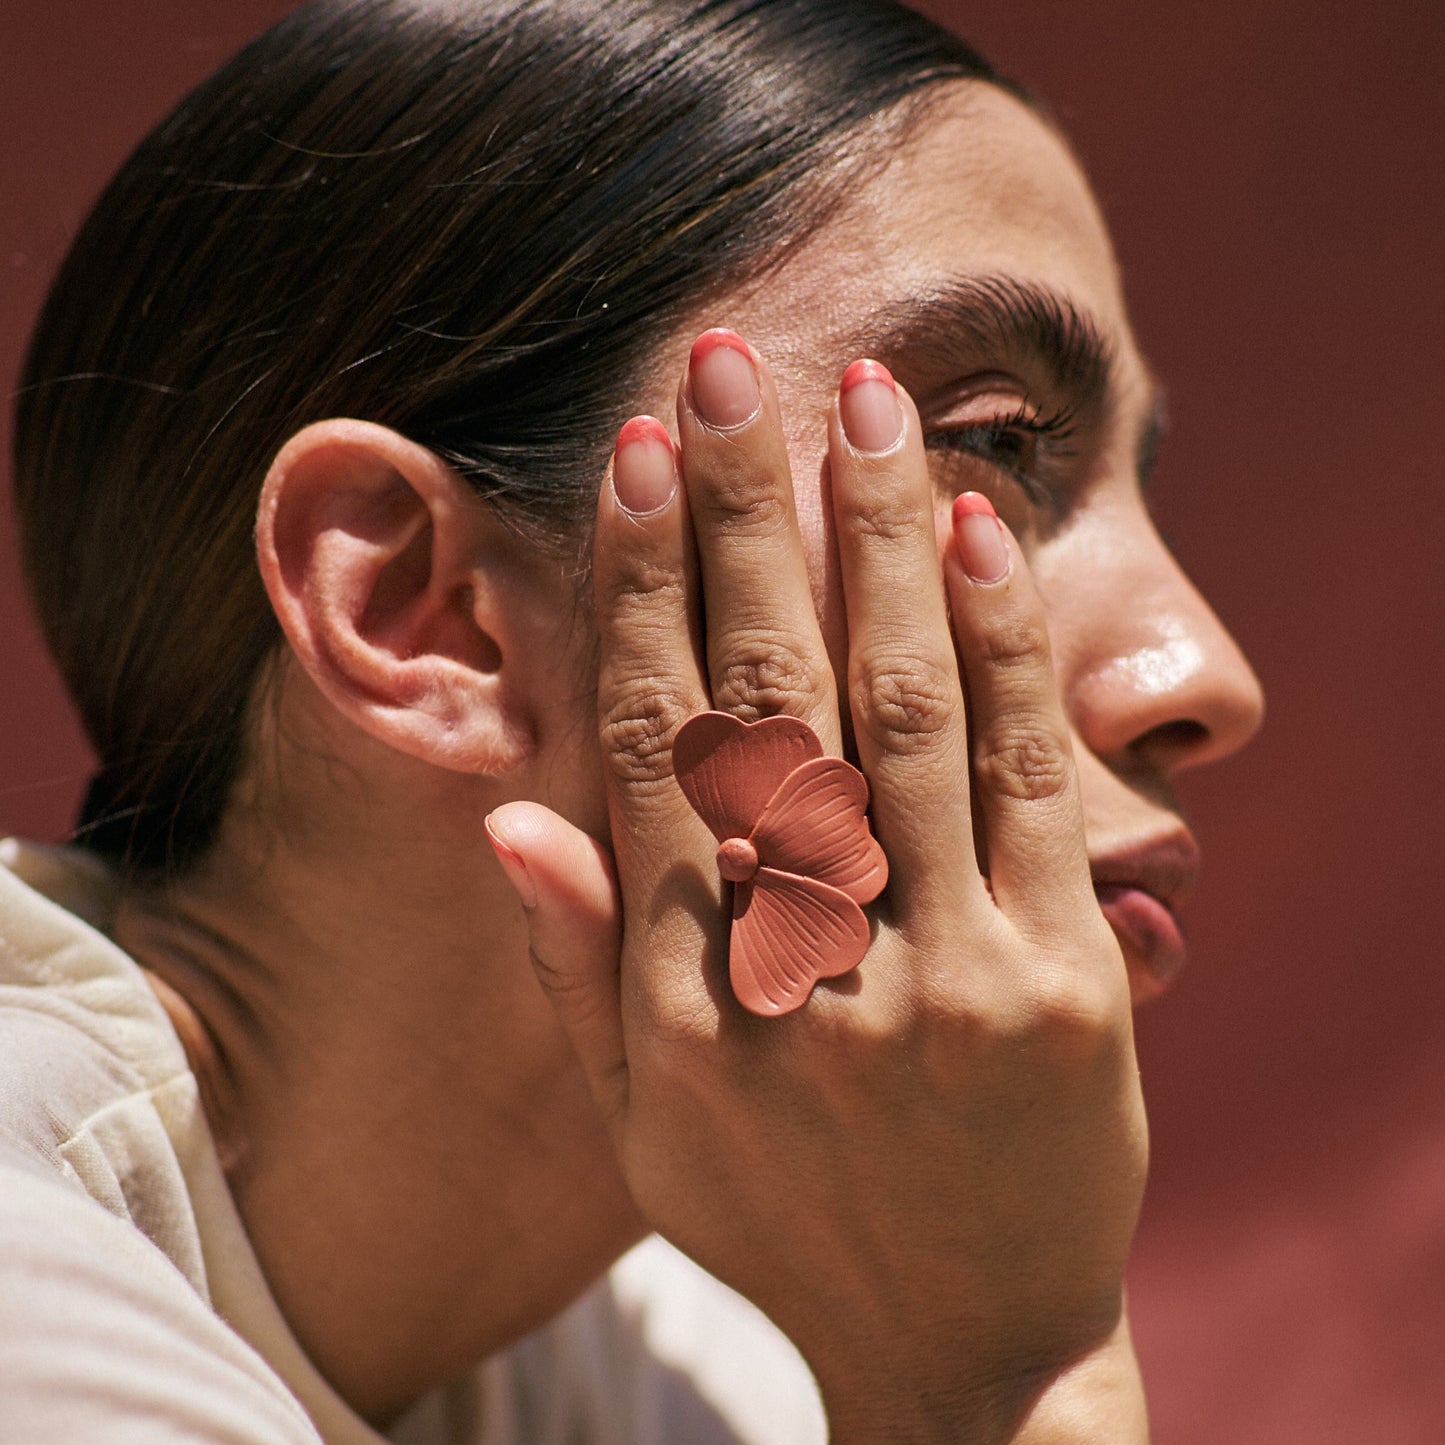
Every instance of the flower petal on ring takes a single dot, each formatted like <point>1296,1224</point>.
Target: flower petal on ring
<point>728,769</point>
<point>788,932</point>
<point>816,825</point>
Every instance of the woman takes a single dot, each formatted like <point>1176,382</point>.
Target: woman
<point>401,272</point>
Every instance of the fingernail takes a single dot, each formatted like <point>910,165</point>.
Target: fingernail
<point>978,535</point>
<point>644,466</point>
<point>724,380</point>
<point>513,867</point>
<point>868,406</point>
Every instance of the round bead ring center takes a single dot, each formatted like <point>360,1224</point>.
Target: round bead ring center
<point>737,860</point>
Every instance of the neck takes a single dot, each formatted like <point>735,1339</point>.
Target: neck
<point>407,1136</point>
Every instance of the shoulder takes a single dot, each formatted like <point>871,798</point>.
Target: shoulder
<point>91,1072</point>
<point>105,1316</point>
<point>100,1331</point>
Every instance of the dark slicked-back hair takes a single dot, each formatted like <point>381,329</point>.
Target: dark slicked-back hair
<point>470,220</point>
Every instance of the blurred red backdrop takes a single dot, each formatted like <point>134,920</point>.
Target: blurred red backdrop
<point>1273,175</point>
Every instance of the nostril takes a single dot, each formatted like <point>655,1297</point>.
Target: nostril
<point>1185,734</point>
<point>1172,743</point>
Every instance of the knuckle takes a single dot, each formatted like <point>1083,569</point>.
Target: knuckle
<point>558,982</point>
<point>680,1029</point>
<point>742,499</point>
<point>904,702</point>
<point>1025,759</point>
<point>885,518</point>
<point>762,676</point>
<point>571,990</point>
<point>637,726</point>
<point>1013,641</point>
<point>1076,1009</point>
<point>637,579</point>
<point>970,999</point>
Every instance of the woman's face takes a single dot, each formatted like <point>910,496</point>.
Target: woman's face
<point>978,268</point>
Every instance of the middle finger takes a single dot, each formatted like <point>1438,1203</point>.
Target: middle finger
<point>765,652</point>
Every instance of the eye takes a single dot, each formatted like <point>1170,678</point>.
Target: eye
<point>1008,437</point>
<point>1006,443</point>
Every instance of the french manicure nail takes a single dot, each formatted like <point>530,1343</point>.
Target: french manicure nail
<point>868,406</point>
<point>978,535</point>
<point>514,867</point>
<point>644,467</point>
<point>724,380</point>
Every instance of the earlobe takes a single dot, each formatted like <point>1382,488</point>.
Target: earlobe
<point>374,554</point>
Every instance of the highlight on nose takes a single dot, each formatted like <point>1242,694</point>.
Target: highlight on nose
<point>1186,695</point>
<point>1166,667</point>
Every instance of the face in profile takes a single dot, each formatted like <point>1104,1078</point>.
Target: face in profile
<point>352,992</point>
<point>976,265</point>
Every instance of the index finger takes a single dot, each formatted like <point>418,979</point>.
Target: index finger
<point>765,651</point>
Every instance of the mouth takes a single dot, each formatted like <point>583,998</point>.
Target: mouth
<point>1140,887</point>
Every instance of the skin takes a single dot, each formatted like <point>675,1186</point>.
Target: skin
<point>962,1123</point>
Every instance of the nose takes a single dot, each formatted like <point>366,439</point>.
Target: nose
<point>1151,677</point>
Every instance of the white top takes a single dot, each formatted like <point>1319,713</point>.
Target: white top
<point>133,1309</point>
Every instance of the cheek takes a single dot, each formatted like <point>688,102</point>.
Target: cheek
<point>573,780</point>
<point>564,767</point>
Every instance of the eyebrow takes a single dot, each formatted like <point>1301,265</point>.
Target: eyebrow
<point>993,320</point>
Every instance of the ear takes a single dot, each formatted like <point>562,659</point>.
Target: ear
<point>379,562</point>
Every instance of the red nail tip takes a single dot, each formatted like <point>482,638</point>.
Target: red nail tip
<point>505,849</point>
<point>861,371</point>
<point>643,429</point>
<point>793,835</point>
<point>514,866</point>
<point>972,504</point>
<point>709,341</point>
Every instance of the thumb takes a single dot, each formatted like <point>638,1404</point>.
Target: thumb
<point>566,884</point>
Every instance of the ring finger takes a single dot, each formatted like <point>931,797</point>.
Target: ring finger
<point>904,688</point>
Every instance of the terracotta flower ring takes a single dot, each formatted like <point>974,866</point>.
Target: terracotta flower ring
<point>793,840</point>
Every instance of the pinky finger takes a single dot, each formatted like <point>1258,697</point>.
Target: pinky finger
<point>565,882</point>
<point>1025,785</point>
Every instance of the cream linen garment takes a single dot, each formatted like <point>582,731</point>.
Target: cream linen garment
<point>132,1308</point>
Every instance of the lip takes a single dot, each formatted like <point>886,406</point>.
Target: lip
<point>1139,887</point>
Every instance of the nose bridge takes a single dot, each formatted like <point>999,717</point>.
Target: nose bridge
<point>1151,670</point>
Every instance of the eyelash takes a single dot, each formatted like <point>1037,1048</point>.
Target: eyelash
<point>1052,430</point>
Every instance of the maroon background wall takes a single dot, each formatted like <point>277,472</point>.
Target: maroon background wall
<point>1273,172</point>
